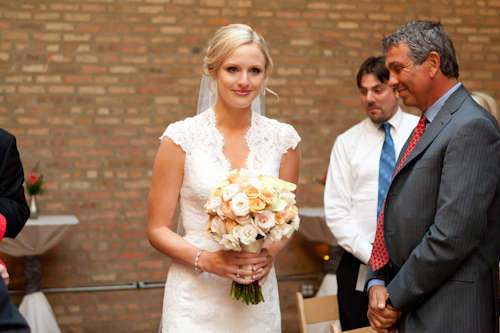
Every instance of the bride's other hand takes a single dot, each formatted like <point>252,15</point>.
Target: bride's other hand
<point>261,270</point>
<point>230,264</point>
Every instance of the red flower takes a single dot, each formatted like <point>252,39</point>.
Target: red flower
<point>324,178</point>
<point>33,179</point>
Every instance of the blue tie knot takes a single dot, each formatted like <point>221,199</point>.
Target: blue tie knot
<point>387,128</point>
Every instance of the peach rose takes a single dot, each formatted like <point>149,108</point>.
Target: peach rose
<point>257,205</point>
<point>227,211</point>
<point>230,224</point>
<point>252,192</point>
<point>218,192</point>
<point>291,212</point>
<point>233,177</point>
<point>280,219</point>
<point>268,197</point>
<point>218,227</point>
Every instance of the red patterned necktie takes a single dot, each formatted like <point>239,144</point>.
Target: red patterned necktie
<point>380,257</point>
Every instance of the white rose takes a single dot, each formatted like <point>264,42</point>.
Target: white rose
<point>218,226</point>
<point>255,182</point>
<point>229,191</point>
<point>212,204</point>
<point>240,205</point>
<point>288,196</point>
<point>265,220</point>
<point>230,242</point>
<point>287,230</point>
<point>295,223</point>
<point>248,234</point>
<point>276,234</point>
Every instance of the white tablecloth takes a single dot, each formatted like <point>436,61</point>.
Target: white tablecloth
<point>38,236</point>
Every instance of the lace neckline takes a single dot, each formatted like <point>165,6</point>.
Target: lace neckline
<point>213,117</point>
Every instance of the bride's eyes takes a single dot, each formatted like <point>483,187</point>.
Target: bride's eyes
<point>235,70</point>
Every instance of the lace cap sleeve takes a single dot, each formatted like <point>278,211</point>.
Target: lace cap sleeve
<point>179,133</point>
<point>289,138</point>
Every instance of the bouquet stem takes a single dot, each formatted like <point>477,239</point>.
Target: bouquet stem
<point>249,293</point>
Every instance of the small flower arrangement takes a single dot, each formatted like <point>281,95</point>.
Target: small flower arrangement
<point>34,182</point>
<point>244,210</point>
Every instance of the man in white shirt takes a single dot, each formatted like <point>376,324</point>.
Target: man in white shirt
<point>361,165</point>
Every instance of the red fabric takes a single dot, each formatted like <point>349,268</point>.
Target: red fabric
<point>379,256</point>
<point>3,226</point>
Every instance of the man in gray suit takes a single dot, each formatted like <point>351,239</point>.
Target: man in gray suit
<point>435,255</point>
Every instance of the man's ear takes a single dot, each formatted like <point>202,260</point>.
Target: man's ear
<point>433,63</point>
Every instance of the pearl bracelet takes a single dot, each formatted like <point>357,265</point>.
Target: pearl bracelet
<point>196,262</point>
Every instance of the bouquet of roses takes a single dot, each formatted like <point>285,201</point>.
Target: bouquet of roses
<point>244,210</point>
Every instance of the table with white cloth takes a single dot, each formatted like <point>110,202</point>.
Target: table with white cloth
<point>313,227</point>
<point>38,236</point>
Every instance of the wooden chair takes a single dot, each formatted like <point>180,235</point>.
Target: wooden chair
<point>316,310</point>
<point>335,329</point>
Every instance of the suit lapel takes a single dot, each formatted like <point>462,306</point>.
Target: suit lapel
<point>442,119</point>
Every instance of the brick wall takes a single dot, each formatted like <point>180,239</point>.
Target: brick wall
<point>87,87</point>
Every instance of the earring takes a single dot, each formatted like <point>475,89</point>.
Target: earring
<point>263,89</point>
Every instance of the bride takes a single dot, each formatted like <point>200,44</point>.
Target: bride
<point>196,154</point>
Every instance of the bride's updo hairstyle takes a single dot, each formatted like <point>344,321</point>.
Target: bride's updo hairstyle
<point>225,41</point>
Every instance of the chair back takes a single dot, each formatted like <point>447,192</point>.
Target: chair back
<point>316,310</point>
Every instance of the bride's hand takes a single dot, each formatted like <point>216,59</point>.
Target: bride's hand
<point>230,264</point>
<point>262,269</point>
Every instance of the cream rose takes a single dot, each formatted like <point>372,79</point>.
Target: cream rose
<point>212,204</point>
<point>230,242</point>
<point>244,220</point>
<point>240,205</point>
<point>218,226</point>
<point>288,196</point>
<point>257,205</point>
<point>287,230</point>
<point>248,234</point>
<point>228,192</point>
<point>255,182</point>
<point>295,223</point>
<point>265,220</point>
<point>276,234</point>
<point>244,180</point>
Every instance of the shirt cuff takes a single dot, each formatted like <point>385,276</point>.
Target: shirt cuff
<point>375,282</point>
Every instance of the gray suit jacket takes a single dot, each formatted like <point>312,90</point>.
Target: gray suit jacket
<point>442,224</point>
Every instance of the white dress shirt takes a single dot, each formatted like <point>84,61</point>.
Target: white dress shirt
<point>351,190</point>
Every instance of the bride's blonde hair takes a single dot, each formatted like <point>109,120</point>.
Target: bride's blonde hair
<point>225,41</point>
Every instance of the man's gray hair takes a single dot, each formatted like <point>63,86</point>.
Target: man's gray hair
<point>422,38</point>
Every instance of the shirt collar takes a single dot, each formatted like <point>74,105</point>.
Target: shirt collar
<point>395,121</point>
<point>433,110</point>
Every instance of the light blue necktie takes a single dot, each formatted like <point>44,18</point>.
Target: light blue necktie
<point>386,166</point>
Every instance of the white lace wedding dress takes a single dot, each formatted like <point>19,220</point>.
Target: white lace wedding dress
<point>200,302</point>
